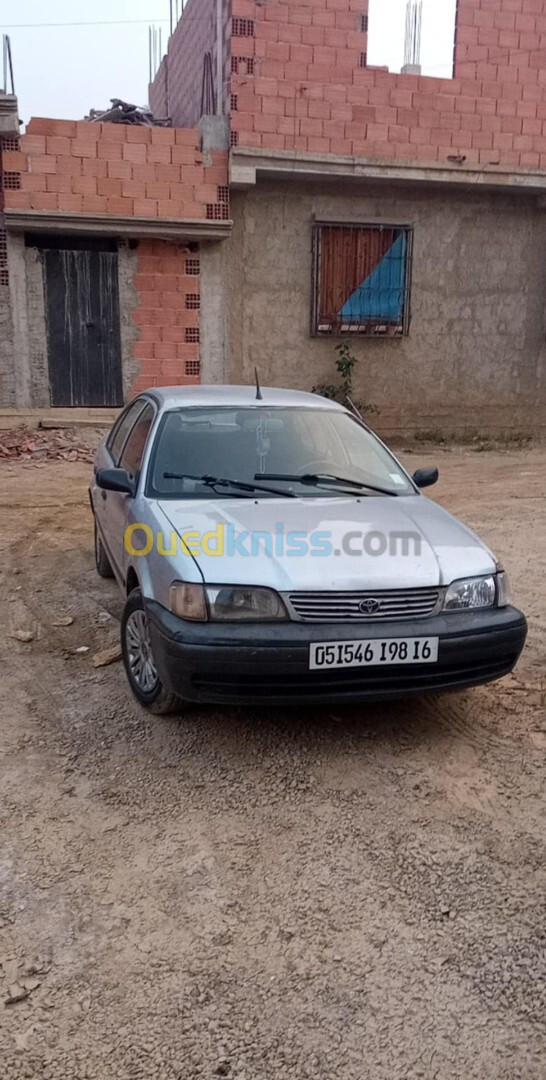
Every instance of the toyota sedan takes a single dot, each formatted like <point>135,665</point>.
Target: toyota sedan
<point>271,549</point>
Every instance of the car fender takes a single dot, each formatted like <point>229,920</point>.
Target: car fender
<point>154,570</point>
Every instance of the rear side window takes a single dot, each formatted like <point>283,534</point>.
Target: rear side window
<point>133,451</point>
<point>121,429</point>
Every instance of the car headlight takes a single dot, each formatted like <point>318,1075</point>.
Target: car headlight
<point>478,592</point>
<point>226,603</point>
<point>243,603</point>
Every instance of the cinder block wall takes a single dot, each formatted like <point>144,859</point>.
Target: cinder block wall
<point>310,89</point>
<point>118,171</point>
<point>128,171</point>
<point>298,80</point>
<point>475,359</point>
<point>500,40</point>
<point>176,90</point>
<point>168,288</point>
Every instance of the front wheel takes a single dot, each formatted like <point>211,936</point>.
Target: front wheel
<point>139,661</point>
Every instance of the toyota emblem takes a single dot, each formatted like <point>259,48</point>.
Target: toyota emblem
<point>370,607</point>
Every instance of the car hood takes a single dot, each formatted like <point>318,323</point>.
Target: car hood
<point>439,549</point>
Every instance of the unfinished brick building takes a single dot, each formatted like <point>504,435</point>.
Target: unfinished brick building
<point>100,242</point>
<point>404,212</point>
<point>400,212</point>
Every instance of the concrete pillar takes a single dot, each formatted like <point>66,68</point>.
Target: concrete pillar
<point>7,376</point>
<point>214,323</point>
<point>214,131</point>
<point>128,302</point>
<point>18,298</point>
<point>213,318</point>
<point>38,358</point>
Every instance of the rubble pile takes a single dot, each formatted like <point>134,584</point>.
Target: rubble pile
<point>31,444</point>
<point>121,112</point>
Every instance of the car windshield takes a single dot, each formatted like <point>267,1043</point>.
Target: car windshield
<point>325,446</point>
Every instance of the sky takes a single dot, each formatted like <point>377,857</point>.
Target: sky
<point>63,71</point>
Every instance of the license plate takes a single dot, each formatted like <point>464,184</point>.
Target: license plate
<point>374,653</point>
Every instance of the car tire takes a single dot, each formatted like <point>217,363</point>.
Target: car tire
<point>138,660</point>
<point>102,561</point>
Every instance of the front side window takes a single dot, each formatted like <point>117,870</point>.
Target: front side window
<point>250,443</point>
<point>361,279</point>
<point>133,451</point>
<point>121,429</point>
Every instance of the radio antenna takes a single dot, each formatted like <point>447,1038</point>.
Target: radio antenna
<point>258,391</point>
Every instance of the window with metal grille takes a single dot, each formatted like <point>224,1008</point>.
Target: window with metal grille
<point>223,193</point>
<point>361,279</point>
<point>233,102</point>
<point>364,24</point>
<point>193,267</point>
<point>10,181</point>
<point>363,59</point>
<point>192,367</point>
<point>234,138</point>
<point>191,335</point>
<point>217,211</point>
<point>242,27</point>
<point>193,301</point>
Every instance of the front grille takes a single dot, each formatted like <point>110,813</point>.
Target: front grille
<point>360,606</point>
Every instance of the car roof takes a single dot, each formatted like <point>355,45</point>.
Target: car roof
<point>176,397</point>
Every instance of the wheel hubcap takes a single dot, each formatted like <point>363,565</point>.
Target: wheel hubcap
<point>139,652</point>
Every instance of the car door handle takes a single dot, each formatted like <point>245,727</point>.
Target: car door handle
<point>103,494</point>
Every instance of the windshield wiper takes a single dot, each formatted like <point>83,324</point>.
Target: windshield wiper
<point>221,481</point>
<point>315,479</point>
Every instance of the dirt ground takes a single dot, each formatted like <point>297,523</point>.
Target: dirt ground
<point>348,894</point>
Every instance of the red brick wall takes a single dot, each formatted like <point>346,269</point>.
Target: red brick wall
<point>176,90</point>
<point>78,167</point>
<point>308,91</point>
<point>134,172</point>
<point>500,40</point>
<point>298,81</point>
<point>167,351</point>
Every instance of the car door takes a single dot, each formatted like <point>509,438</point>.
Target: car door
<point>119,504</point>
<point>108,456</point>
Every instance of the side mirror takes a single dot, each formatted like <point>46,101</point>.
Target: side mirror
<point>425,477</point>
<point>115,480</point>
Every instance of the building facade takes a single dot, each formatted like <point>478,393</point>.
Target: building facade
<point>326,201</point>
<point>101,236</point>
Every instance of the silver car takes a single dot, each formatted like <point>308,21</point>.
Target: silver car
<point>272,550</point>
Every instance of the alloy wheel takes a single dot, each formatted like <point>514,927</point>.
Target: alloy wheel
<point>139,652</point>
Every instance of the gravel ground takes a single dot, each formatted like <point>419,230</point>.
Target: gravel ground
<point>346,894</point>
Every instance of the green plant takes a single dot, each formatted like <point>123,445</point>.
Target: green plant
<point>343,391</point>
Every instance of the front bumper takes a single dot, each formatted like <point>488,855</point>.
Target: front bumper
<point>269,663</point>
